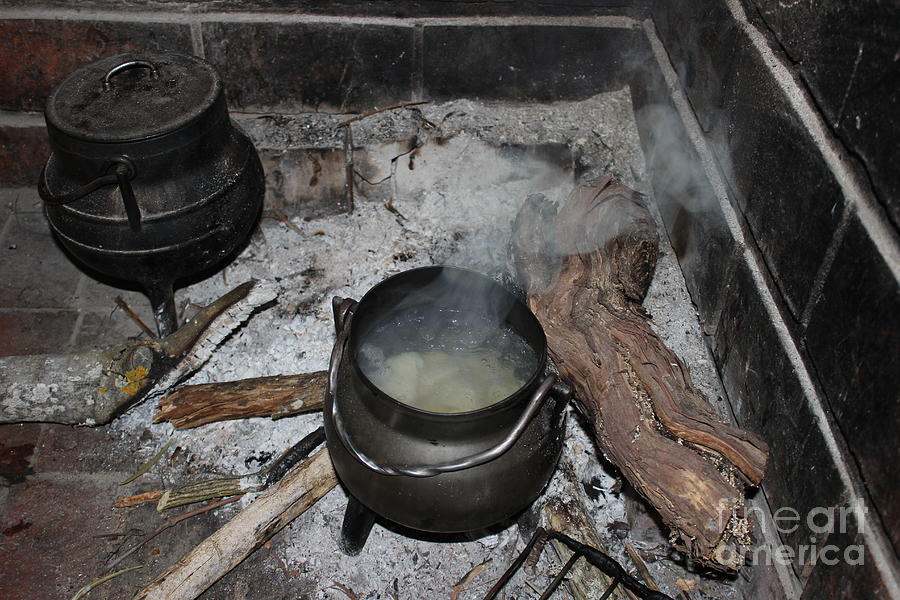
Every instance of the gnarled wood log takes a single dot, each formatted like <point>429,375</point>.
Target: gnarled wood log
<point>586,270</point>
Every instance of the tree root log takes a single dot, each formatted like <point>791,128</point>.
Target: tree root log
<point>586,269</point>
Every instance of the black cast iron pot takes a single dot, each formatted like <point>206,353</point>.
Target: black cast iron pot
<point>149,180</point>
<point>439,472</point>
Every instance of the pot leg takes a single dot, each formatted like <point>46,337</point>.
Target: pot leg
<point>358,521</point>
<point>162,299</point>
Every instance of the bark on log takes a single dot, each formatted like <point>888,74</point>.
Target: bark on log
<point>586,269</point>
<point>249,529</point>
<point>277,397</point>
<point>85,388</point>
<point>92,387</point>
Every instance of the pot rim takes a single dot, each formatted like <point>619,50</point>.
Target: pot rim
<point>519,396</point>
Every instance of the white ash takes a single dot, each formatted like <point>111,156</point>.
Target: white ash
<point>457,205</point>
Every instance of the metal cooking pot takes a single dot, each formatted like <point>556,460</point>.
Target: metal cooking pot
<point>439,472</point>
<point>149,180</point>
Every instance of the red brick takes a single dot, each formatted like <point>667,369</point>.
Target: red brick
<point>67,449</point>
<point>17,451</point>
<point>34,272</point>
<point>35,332</point>
<point>21,433</point>
<point>37,54</point>
<point>49,546</point>
<point>23,152</point>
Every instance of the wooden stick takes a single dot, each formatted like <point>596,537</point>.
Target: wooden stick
<point>348,169</point>
<point>640,565</point>
<point>120,302</point>
<point>282,218</point>
<point>249,529</point>
<point>86,589</point>
<point>277,397</point>
<point>381,110</point>
<point>569,516</point>
<point>143,498</point>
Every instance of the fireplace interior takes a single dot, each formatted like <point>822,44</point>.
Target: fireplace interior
<point>395,136</point>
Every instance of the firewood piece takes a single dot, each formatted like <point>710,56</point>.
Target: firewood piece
<point>136,499</point>
<point>277,397</point>
<point>640,565</point>
<point>249,529</point>
<point>569,515</point>
<point>92,387</point>
<point>586,270</point>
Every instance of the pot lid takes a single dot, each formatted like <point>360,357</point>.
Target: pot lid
<point>133,96</point>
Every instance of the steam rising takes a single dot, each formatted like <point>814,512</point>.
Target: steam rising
<point>448,346</point>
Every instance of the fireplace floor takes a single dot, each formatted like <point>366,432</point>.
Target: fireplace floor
<point>451,201</point>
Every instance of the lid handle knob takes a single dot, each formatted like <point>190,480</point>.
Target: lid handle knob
<point>131,64</point>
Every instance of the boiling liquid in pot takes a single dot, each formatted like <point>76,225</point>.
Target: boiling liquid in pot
<point>446,361</point>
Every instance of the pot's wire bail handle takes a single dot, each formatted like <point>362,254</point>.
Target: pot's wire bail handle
<point>343,314</point>
<point>125,66</point>
<point>122,172</point>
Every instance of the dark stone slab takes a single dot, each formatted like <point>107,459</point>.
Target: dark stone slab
<point>760,580</point>
<point>382,8</point>
<point>305,182</point>
<point>786,192</point>
<point>846,572</point>
<point>846,55</point>
<point>23,152</point>
<point>37,54</point>
<point>802,475</point>
<point>701,40</point>
<point>754,365</point>
<point>852,339</point>
<point>524,63</point>
<point>311,66</point>
<point>34,272</point>
<point>690,209</point>
<point>767,398</point>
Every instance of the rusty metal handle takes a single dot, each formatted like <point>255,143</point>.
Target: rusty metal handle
<point>131,64</point>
